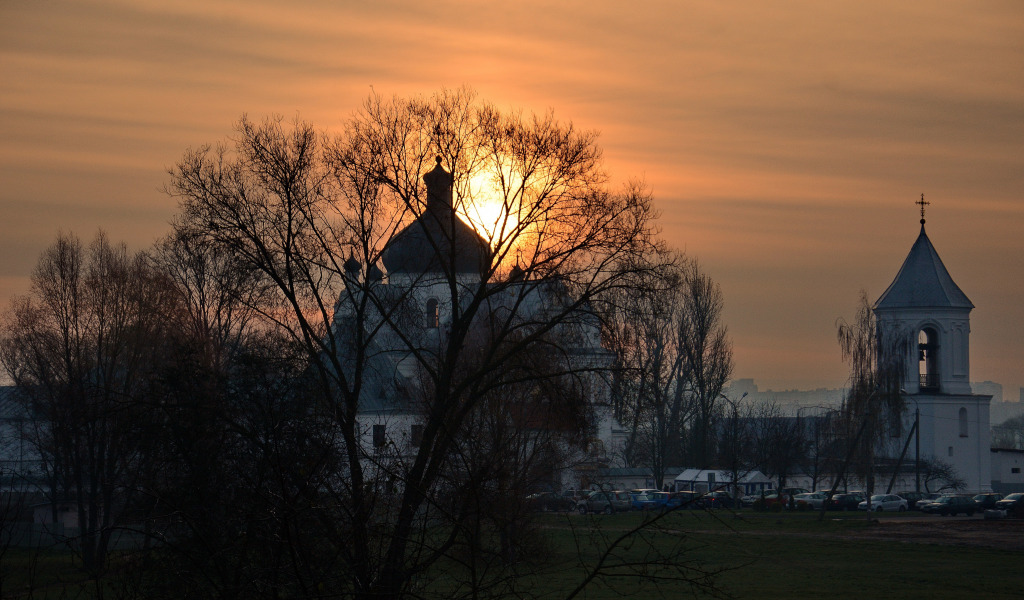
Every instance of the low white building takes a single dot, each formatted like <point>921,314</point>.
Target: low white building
<point>707,480</point>
<point>1007,470</point>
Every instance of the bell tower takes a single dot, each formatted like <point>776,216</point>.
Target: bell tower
<point>924,304</point>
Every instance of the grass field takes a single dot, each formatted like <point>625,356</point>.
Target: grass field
<point>763,556</point>
<point>755,555</point>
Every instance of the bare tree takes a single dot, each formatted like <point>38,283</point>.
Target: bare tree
<point>649,393</point>
<point>940,476</point>
<point>778,439</point>
<point>819,431</point>
<point>386,287</point>
<point>674,358</point>
<point>707,354</point>
<point>734,427</point>
<point>229,398</point>
<point>83,348</point>
<point>1009,433</point>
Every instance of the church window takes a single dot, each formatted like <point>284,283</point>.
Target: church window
<point>433,314</point>
<point>951,451</point>
<point>963,422</point>
<point>378,436</point>
<point>928,359</point>
<point>416,435</point>
<point>1015,469</point>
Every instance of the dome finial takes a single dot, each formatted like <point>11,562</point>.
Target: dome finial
<point>439,187</point>
<point>922,204</point>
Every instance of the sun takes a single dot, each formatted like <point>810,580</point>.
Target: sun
<point>489,210</point>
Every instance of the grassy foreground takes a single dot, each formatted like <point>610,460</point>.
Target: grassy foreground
<point>763,556</point>
<point>693,554</point>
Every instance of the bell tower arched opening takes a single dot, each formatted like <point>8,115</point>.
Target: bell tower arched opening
<point>928,359</point>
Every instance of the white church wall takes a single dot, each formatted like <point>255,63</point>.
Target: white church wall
<point>962,443</point>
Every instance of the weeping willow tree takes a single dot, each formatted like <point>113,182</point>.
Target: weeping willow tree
<point>874,404</point>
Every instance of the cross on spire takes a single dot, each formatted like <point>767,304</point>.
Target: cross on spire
<point>922,204</point>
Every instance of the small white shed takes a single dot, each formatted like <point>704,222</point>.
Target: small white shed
<point>705,480</point>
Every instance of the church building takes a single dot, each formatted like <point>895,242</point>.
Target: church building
<point>924,302</point>
<point>432,268</point>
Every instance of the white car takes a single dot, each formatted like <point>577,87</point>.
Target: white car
<point>810,500</point>
<point>886,502</point>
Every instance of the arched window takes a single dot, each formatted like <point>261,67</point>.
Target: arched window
<point>928,358</point>
<point>963,422</point>
<point>433,314</point>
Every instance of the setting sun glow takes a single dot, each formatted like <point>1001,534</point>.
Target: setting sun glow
<point>490,210</point>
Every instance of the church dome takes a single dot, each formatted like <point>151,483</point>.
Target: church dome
<point>438,240</point>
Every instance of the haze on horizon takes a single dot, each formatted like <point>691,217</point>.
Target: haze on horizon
<point>785,142</point>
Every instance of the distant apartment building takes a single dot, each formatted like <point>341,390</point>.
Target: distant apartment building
<point>789,401</point>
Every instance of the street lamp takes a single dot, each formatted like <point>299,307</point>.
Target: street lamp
<point>814,444</point>
<point>735,442</point>
<point>917,440</point>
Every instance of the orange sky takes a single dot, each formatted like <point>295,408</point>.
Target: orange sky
<point>786,141</point>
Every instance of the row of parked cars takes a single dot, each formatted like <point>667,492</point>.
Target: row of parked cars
<point>941,504</point>
<point>608,502</point>
<point>1011,505</point>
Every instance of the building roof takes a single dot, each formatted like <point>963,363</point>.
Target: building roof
<point>923,282</point>
<point>721,476</point>
<point>438,240</point>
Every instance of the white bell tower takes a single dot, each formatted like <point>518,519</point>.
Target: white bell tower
<point>924,303</point>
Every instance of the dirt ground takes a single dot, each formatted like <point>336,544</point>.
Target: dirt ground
<point>1005,534</point>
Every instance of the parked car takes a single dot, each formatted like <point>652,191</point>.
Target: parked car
<point>987,501</point>
<point>682,500</point>
<point>639,491</point>
<point>949,505</point>
<point>785,496</point>
<point>884,502</point>
<point>810,500</point>
<point>847,501</point>
<point>1013,504</point>
<point>749,500</point>
<point>649,500</point>
<point>913,498</point>
<point>549,502</point>
<point>717,500</point>
<point>770,499</point>
<point>605,502</point>
<point>576,495</point>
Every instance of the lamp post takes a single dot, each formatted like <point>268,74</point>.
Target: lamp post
<point>917,440</point>
<point>815,443</point>
<point>735,443</point>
